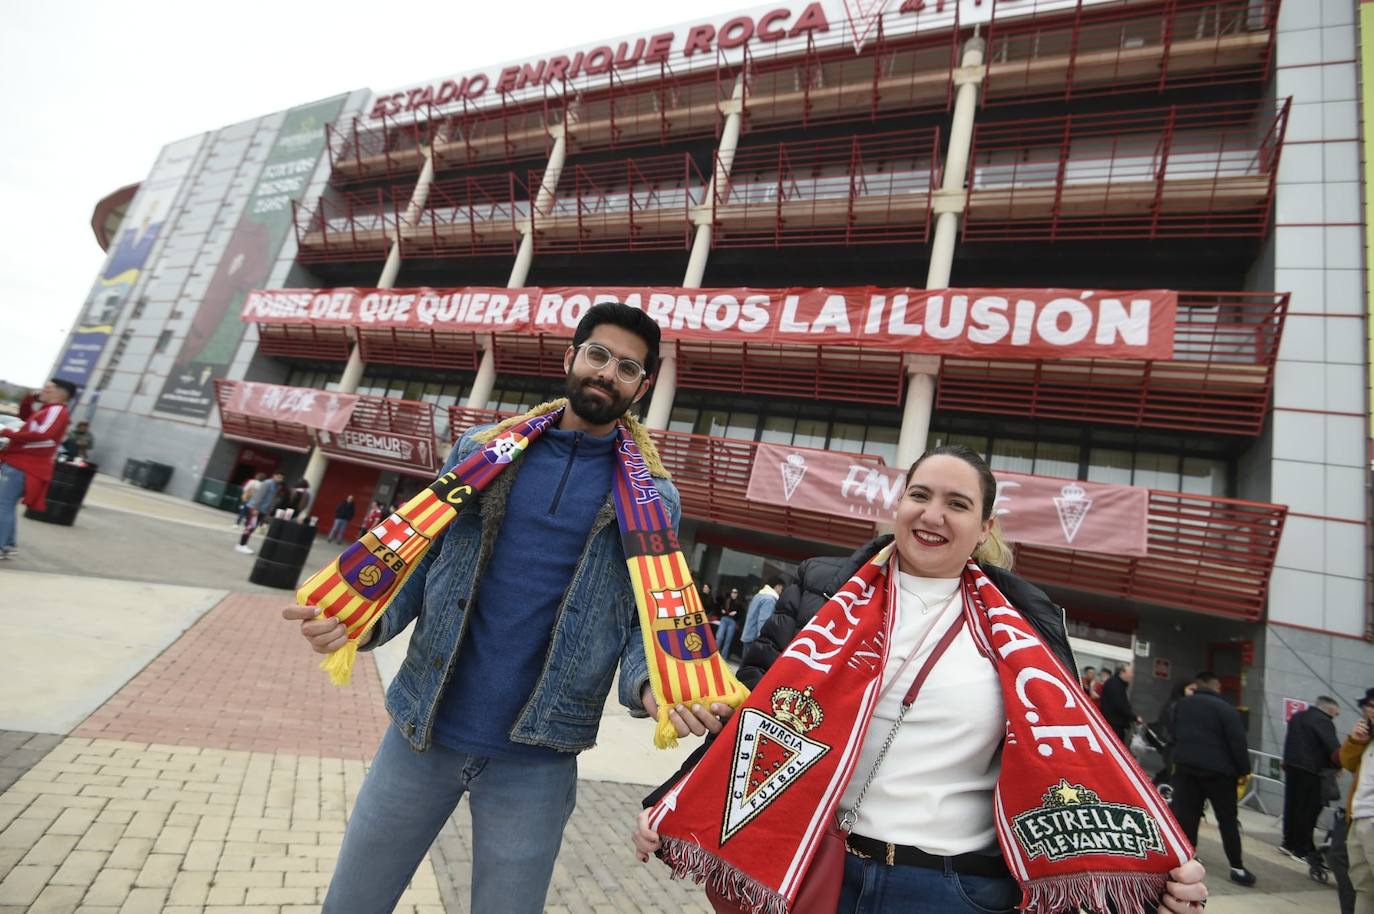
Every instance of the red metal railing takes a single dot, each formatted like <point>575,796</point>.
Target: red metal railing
<point>848,190</point>
<point>304,341</point>
<point>344,226</point>
<point>1125,47</point>
<point>1206,554</point>
<point>1219,379</point>
<point>396,434</point>
<point>633,204</point>
<point>510,130</point>
<point>421,347</point>
<point>288,436</point>
<point>1182,171</point>
<point>466,216</point>
<point>536,356</point>
<point>822,372</point>
<point>808,85</point>
<point>611,113</point>
<point>362,148</point>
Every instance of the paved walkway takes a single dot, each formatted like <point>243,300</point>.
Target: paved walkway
<point>168,745</point>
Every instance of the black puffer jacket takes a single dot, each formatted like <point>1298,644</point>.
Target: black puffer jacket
<point>819,578</point>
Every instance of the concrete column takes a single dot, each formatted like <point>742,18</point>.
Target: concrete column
<point>922,371</point>
<point>665,384</point>
<point>353,369</point>
<point>485,380</point>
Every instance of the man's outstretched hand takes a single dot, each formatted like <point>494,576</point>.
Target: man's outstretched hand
<point>325,635</point>
<point>696,720</point>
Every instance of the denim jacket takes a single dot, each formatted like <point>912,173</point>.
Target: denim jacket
<point>596,628</point>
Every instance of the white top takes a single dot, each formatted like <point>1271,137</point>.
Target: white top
<point>1362,805</point>
<point>934,788</point>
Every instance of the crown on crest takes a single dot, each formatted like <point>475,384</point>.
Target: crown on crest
<point>797,710</point>
<point>1073,492</point>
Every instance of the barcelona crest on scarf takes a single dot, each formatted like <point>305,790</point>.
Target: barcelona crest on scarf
<point>684,665</point>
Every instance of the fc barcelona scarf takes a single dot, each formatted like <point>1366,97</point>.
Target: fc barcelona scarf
<point>1078,822</point>
<point>684,666</point>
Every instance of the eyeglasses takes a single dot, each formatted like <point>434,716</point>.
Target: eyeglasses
<point>627,371</point>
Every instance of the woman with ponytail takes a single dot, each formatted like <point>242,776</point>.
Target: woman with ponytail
<point>917,706</point>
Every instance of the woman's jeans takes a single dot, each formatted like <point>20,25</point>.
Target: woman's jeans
<point>725,636</point>
<point>11,491</point>
<point>872,887</point>
<point>518,810</point>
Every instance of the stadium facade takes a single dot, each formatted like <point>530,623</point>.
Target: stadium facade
<point>814,169</point>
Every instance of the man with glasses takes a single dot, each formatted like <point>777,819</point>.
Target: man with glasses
<point>495,699</point>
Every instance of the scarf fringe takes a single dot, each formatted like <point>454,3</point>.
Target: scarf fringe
<point>690,860</point>
<point>1096,892</point>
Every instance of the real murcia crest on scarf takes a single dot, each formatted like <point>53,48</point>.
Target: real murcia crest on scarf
<point>771,752</point>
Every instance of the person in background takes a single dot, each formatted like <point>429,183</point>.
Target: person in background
<point>1310,750</point>
<point>1210,755</point>
<point>250,488</point>
<point>1116,702</point>
<point>1166,727</point>
<point>760,610</point>
<point>27,454</point>
<point>1087,678</point>
<point>1359,835</point>
<point>373,516</point>
<point>1103,676</point>
<point>302,498</point>
<point>730,608</point>
<point>264,503</point>
<point>343,513</point>
<point>79,443</point>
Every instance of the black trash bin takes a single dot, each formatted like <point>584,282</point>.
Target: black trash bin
<point>68,490</point>
<point>136,471</point>
<point>158,475</point>
<point>283,554</point>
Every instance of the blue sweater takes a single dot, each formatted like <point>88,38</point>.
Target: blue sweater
<point>561,483</point>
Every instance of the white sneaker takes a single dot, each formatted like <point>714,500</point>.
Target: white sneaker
<point>244,549</point>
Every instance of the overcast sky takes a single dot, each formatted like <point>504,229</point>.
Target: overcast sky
<point>91,90</point>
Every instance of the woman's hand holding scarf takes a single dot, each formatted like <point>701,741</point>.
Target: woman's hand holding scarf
<point>1185,892</point>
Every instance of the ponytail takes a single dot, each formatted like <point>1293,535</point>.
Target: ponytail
<point>994,550</point>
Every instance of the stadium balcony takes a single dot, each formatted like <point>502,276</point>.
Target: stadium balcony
<point>1183,171</point>
<point>382,432</point>
<point>1130,46</point>
<point>1205,554</point>
<point>1219,379</point>
<point>633,204</point>
<point>874,188</point>
<point>467,216</point>
<point>348,226</point>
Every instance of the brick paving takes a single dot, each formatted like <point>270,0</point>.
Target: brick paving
<point>20,751</point>
<point>242,678</point>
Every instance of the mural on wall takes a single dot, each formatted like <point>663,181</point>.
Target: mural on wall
<point>125,263</point>
<point>252,250</point>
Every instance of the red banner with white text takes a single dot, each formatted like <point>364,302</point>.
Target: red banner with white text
<point>1038,510</point>
<point>312,408</point>
<point>992,323</point>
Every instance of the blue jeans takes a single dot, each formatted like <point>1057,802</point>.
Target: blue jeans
<point>336,532</point>
<point>725,636</point>
<point>11,491</point>
<point>872,887</point>
<point>519,809</point>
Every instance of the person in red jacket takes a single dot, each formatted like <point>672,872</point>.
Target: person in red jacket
<point>26,455</point>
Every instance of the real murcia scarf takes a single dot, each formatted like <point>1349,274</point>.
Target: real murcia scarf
<point>1078,822</point>
<point>684,666</point>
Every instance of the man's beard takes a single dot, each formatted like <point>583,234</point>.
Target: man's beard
<point>591,408</point>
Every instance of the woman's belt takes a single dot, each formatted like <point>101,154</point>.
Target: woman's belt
<point>991,866</point>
